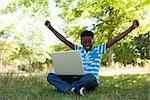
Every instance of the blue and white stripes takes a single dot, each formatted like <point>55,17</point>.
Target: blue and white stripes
<point>92,59</point>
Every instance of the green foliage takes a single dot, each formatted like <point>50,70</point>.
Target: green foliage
<point>4,46</point>
<point>6,52</point>
<point>22,51</point>
<point>2,33</point>
<point>29,57</point>
<point>110,17</point>
<point>37,7</point>
<point>143,45</point>
<point>126,53</point>
<point>134,51</point>
<point>104,59</point>
<point>59,47</point>
<point>28,50</point>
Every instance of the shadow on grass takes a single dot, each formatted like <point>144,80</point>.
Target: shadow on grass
<point>122,87</point>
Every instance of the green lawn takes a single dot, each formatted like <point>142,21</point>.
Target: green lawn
<point>122,87</point>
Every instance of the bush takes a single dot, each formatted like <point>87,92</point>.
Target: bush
<point>136,51</point>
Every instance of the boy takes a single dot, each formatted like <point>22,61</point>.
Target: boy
<point>91,56</point>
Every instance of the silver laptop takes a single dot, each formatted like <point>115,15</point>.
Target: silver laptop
<point>67,63</point>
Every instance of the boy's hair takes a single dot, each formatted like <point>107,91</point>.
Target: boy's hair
<point>87,33</point>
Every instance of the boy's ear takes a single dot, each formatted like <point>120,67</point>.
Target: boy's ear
<point>92,40</point>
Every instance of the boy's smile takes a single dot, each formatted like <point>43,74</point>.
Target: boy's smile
<point>87,42</point>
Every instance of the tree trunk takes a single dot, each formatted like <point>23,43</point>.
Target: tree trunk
<point>110,57</point>
<point>110,51</point>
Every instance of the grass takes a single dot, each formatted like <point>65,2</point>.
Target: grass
<point>122,87</point>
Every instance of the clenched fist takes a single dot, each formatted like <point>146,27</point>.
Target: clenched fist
<point>47,23</point>
<point>135,24</point>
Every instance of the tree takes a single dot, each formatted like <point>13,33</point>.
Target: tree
<point>36,8</point>
<point>2,44</point>
<point>107,18</point>
<point>29,50</point>
<point>111,17</point>
<point>28,43</point>
<point>59,47</point>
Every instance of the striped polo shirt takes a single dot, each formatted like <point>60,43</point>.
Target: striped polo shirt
<point>92,59</point>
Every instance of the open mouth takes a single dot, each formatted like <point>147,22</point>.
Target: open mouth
<point>87,47</point>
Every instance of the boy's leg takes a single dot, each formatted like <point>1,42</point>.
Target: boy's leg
<point>56,81</point>
<point>70,78</point>
<point>88,81</point>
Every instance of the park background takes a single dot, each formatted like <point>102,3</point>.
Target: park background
<point>26,46</point>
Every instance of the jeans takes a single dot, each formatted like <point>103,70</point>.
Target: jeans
<point>88,81</point>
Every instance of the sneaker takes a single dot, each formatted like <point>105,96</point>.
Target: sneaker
<point>82,91</point>
<point>72,89</point>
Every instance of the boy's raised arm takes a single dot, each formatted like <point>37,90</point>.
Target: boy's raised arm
<point>59,36</point>
<point>123,34</point>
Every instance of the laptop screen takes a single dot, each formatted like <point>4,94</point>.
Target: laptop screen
<point>67,63</point>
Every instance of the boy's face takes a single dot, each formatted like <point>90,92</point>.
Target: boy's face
<point>87,42</point>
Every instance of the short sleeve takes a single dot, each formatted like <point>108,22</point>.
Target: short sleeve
<point>102,48</point>
<point>76,47</point>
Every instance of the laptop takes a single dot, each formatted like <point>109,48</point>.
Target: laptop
<point>67,63</point>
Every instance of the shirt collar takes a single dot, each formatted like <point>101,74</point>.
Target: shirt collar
<point>88,51</point>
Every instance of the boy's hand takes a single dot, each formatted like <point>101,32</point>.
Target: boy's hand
<point>47,23</point>
<point>135,24</point>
